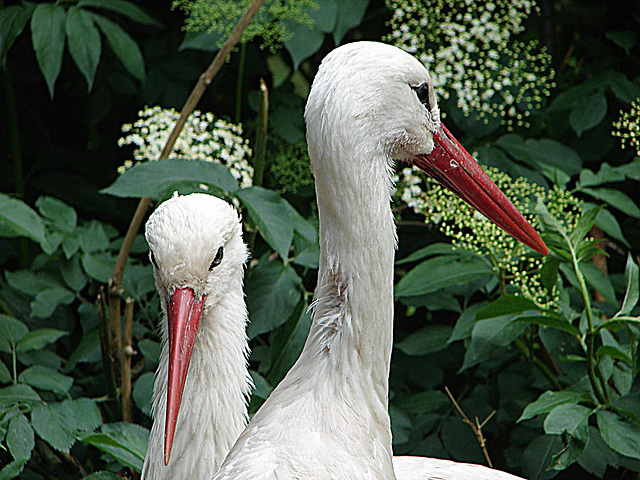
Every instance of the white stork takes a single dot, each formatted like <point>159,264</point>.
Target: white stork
<point>370,104</point>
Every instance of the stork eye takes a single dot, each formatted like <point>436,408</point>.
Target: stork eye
<point>422,91</point>
<point>152,257</point>
<point>217,259</point>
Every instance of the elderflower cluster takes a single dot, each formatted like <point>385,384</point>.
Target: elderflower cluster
<point>628,127</point>
<point>471,51</point>
<point>203,138</point>
<point>472,231</point>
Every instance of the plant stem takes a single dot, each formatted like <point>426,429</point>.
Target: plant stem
<point>593,371</point>
<point>240,81</point>
<point>261,134</point>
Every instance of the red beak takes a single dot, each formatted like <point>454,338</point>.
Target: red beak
<point>183,314</point>
<point>452,166</point>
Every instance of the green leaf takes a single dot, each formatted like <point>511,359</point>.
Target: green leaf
<point>143,391</point>
<point>20,437</point>
<point>613,352</point>
<point>72,274</point>
<point>304,42</point>
<point>12,469</point>
<point>465,322</point>
<point>599,280</point>
<point>614,198</point>
<point>126,442</point>
<point>103,475</point>
<point>432,250</point>
<point>39,338</point>
<point>157,179</point>
<point>441,272</point>
<point>59,213</point>
<point>597,455</point>
<point>625,39</point>
<point>29,282</point>
<point>349,15</point>
<point>88,350</point>
<point>273,291</point>
<point>554,321</point>
<point>5,375</point>
<point>584,225</point>
<point>47,300</point>
<point>538,455</point>
<point>324,17</point>
<point>125,48</point>
<point>609,224</point>
<point>85,44</point>
<point>429,339</point>
<point>271,215</point>
<point>202,40</point>
<point>425,402</point>
<point>507,305</point>
<point>51,423</point>
<point>588,113</point>
<point>17,219</point>
<point>261,387</point>
<point>127,9</point>
<point>48,37</point>
<point>45,378</point>
<point>550,400</point>
<point>620,433</point>
<point>12,331</point>
<point>85,414</point>
<point>570,418</point>
<point>12,22</point>
<point>18,394</point>
<point>93,238</point>
<point>633,288</point>
<point>99,266</point>
<point>544,151</point>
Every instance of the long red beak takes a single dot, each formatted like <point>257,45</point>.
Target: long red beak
<point>184,312</point>
<point>452,166</point>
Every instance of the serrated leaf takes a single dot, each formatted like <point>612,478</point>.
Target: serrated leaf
<point>632,293</point>
<point>271,215</point>
<point>59,213</point>
<point>620,433</point>
<point>569,418</point>
<point>158,178</point>
<point>48,37</point>
<point>85,44</point>
<point>51,423</point>
<point>429,339</point>
<point>39,338</point>
<point>12,469</point>
<point>127,9</point>
<point>92,237</point>
<point>45,378</point>
<point>273,291</point>
<point>125,48</point>
<point>18,394</point>
<point>441,272</point>
<point>85,414</point>
<point>17,219</point>
<point>20,437</point>
<point>11,331</point>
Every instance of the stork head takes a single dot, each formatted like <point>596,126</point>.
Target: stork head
<point>196,248</point>
<point>381,96</point>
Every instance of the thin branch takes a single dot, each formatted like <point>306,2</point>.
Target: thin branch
<point>125,359</point>
<point>475,426</point>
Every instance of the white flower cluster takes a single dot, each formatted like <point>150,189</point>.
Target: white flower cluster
<point>470,50</point>
<point>472,231</point>
<point>203,138</point>
<point>627,127</point>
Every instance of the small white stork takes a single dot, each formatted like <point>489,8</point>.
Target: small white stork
<point>370,104</point>
<point>196,248</point>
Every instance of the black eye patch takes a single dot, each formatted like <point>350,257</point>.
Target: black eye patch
<point>422,91</point>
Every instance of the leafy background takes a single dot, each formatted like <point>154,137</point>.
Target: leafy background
<point>563,384</point>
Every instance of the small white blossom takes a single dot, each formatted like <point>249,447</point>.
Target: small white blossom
<point>203,138</point>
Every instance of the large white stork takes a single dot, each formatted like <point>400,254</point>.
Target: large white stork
<point>370,104</point>
<point>196,248</point>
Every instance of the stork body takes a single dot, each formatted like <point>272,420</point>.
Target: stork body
<point>196,246</point>
<point>328,419</point>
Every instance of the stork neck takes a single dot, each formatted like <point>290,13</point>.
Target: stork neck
<point>214,403</point>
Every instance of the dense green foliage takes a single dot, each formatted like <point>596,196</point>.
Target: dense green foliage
<point>560,374</point>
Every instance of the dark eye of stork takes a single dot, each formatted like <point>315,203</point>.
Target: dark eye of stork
<point>217,260</point>
<point>422,91</point>
<point>152,257</point>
